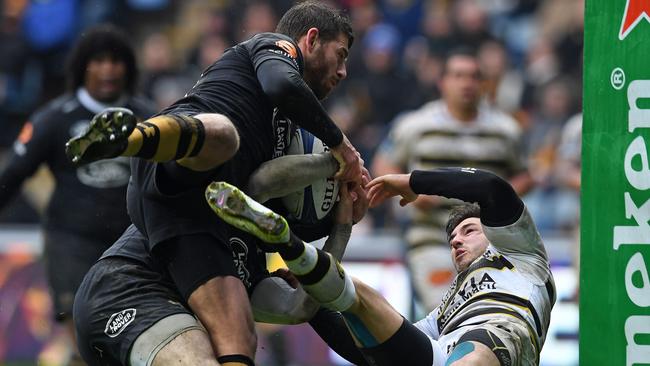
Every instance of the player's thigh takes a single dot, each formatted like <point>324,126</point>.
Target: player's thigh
<point>178,339</point>
<point>471,353</point>
<point>176,352</point>
<point>223,307</point>
<point>502,341</point>
<point>118,301</point>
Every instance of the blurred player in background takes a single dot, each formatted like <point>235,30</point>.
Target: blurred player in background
<point>87,210</point>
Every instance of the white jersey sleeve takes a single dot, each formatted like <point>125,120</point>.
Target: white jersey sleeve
<point>521,241</point>
<point>429,325</point>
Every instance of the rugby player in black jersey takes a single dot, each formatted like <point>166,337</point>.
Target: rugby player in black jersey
<point>176,262</point>
<point>86,211</point>
<point>497,310</point>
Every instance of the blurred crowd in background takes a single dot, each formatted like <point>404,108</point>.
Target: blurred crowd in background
<point>530,52</point>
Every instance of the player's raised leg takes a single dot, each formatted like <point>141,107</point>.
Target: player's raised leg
<point>198,142</point>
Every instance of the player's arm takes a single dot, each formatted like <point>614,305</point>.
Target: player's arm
<point>393,157</point>
<point>500,205</point>
<point>507,224</point>
<point>351,208</point>
<point>281,80</point>
<point>30,150</point>
<point>284,85</point>
<point>287,174</point>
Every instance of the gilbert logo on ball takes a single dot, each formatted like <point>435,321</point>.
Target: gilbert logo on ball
<point>315,201</point>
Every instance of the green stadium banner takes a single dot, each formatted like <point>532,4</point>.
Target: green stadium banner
<point>615,232</point>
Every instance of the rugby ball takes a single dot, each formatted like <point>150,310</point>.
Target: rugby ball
<point>315,201</point>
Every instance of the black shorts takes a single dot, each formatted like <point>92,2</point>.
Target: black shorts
<point>67,258</point>
<point>118,300</point>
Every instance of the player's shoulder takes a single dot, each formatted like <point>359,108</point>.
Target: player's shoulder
<point>497,118</point>
<point>420,118</point>
<point>269,37</point>
<point>275,42</point>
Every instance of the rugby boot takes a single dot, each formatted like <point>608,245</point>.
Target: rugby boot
<point>106,137</point>
<point>236,208</point>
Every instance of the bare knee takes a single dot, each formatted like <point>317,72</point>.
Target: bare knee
<point>227,318</point>
<point>221,135</point>
<point>220,145</point>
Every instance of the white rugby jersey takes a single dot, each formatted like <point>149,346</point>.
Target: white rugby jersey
<point>511,279</point>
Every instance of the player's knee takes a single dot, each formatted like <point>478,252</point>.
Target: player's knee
<point>221,135</point>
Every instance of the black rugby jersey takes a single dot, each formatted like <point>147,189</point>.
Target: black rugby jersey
<point>163,205</point>
<point>88,200</point>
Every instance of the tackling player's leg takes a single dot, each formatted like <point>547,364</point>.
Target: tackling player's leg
<point>277,178</point>
<point>319,273</point>
<point>381,333</point>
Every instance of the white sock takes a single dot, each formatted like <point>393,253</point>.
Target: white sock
<point>305,262</point>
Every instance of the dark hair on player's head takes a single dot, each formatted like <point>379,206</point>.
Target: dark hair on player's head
<point>329,21</point>
<point>460,51</point>
<point>96,42</point>
<point>459,213</point>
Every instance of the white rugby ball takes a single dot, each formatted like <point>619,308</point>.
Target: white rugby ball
<point>315,201</point>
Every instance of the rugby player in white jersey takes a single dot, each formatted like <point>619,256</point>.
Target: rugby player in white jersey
<point>497,310</point>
